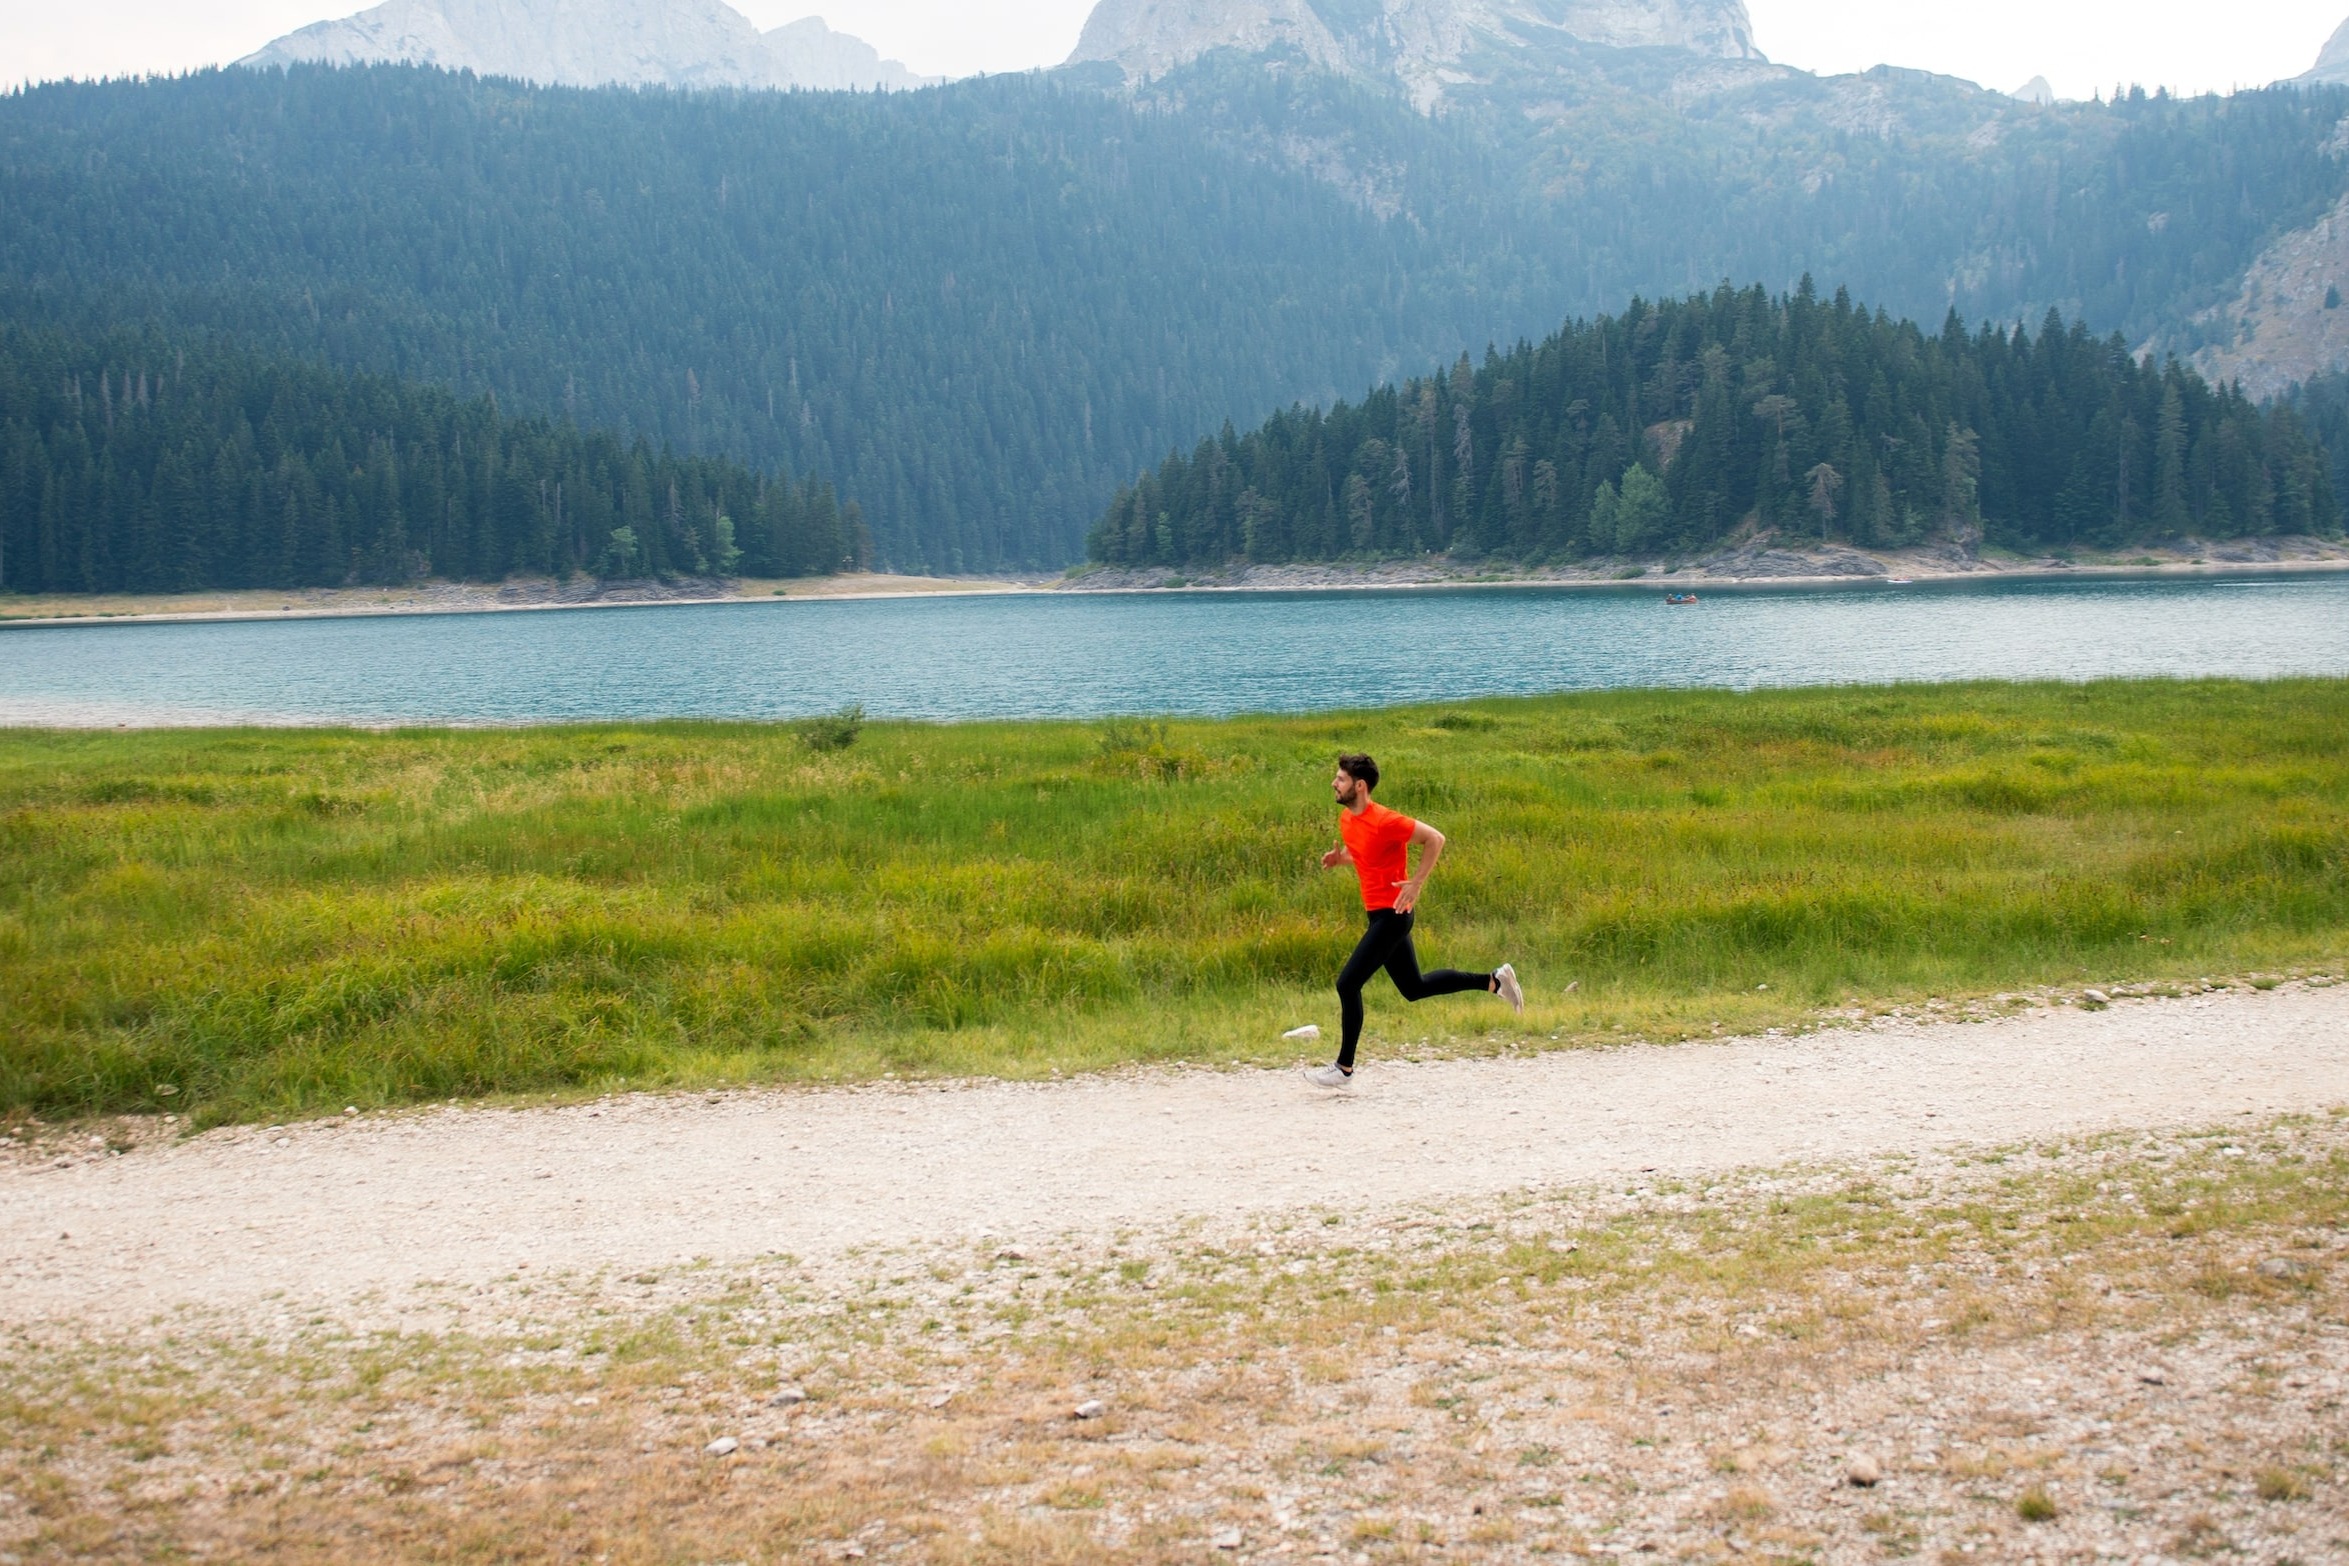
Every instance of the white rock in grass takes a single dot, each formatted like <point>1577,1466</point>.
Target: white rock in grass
<point>724,1446</point>
<point>1864,1472</point>
<point>787,1397</point>
<point>1304,1035</point>
<point>1226,1539</point>
<point>1091,1408</point>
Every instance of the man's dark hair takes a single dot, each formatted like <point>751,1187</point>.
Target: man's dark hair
<point>1361,769</point>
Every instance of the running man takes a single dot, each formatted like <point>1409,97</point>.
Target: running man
<point>1377,842</point>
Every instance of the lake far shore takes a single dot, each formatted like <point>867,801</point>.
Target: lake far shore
<point>1761,566</point>
<point>514,596</point>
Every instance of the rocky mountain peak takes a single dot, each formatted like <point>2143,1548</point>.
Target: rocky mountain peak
<point>1425,44</point>
<point>2333,64</point>
<point>591,43</point>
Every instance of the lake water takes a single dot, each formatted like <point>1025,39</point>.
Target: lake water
<point>1065,655</point>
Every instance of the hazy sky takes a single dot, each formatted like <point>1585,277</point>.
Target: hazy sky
<point>2082,46</point>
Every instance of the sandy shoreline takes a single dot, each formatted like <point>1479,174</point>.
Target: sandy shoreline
<point>523,596</point>
<point>1759,565</point>
<point>1757,568</point>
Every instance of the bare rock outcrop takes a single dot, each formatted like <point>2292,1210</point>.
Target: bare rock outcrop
<point>1424,44</point>
<point>593,43</point>
<point>2333,64</point>
<point>2287,321</point>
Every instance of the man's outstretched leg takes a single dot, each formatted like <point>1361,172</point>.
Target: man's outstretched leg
<point>1403,968</point>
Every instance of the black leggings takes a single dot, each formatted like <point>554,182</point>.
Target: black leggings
<point>1387,944</point>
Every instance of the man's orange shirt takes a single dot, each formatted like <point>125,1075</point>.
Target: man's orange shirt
<point>1378,839</point>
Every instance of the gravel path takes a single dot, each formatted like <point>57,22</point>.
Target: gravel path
<point>331,1214</point>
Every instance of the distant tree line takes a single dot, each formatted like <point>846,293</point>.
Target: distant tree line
<point>137,464</point>
<point>1672,426</point>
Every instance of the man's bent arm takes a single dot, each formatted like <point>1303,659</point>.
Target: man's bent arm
<point>1430,843</point>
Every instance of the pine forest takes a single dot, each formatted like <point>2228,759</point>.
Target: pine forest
<point>132,464</point>
<point>1670,428</point>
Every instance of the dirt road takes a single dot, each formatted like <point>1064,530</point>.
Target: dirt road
<point>333,1215</point>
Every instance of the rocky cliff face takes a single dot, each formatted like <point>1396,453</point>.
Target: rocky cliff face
<point>2333,64</point>
<point>1428,45</point>
<point>814,56</point>
<point>2288,322</point>
<point>586,43</point>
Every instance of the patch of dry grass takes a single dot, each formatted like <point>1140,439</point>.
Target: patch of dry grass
<point>1684,1368</point>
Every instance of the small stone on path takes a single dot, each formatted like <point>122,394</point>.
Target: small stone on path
<point>1865,1472</point>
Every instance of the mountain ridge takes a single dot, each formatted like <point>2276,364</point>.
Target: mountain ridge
<point>1429,47</point>
<point>594,43</point>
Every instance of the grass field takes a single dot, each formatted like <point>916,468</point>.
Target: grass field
<point>254,923</point>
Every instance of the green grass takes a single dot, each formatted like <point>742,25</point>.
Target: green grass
<point>273,922</point>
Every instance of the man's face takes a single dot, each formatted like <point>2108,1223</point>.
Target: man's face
<point>1350,792</point>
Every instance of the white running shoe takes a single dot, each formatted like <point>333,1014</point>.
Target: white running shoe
<point>1505,977</point>
<point>1328,1077</point>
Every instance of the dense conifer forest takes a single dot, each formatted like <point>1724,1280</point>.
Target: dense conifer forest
<point>975,309</point>
<point>979,309</point>
<point>1668,428</point>
<point>137,464</point>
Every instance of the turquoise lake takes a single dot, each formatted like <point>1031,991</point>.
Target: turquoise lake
<point>1075,655</point>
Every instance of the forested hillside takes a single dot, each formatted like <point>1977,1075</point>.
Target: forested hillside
<point>976,309</point>
<point>132,463</point>
<point>979,309</point>
<point>1669,427</point>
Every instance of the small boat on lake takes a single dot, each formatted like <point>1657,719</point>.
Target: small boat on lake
<point>1680,598</point>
